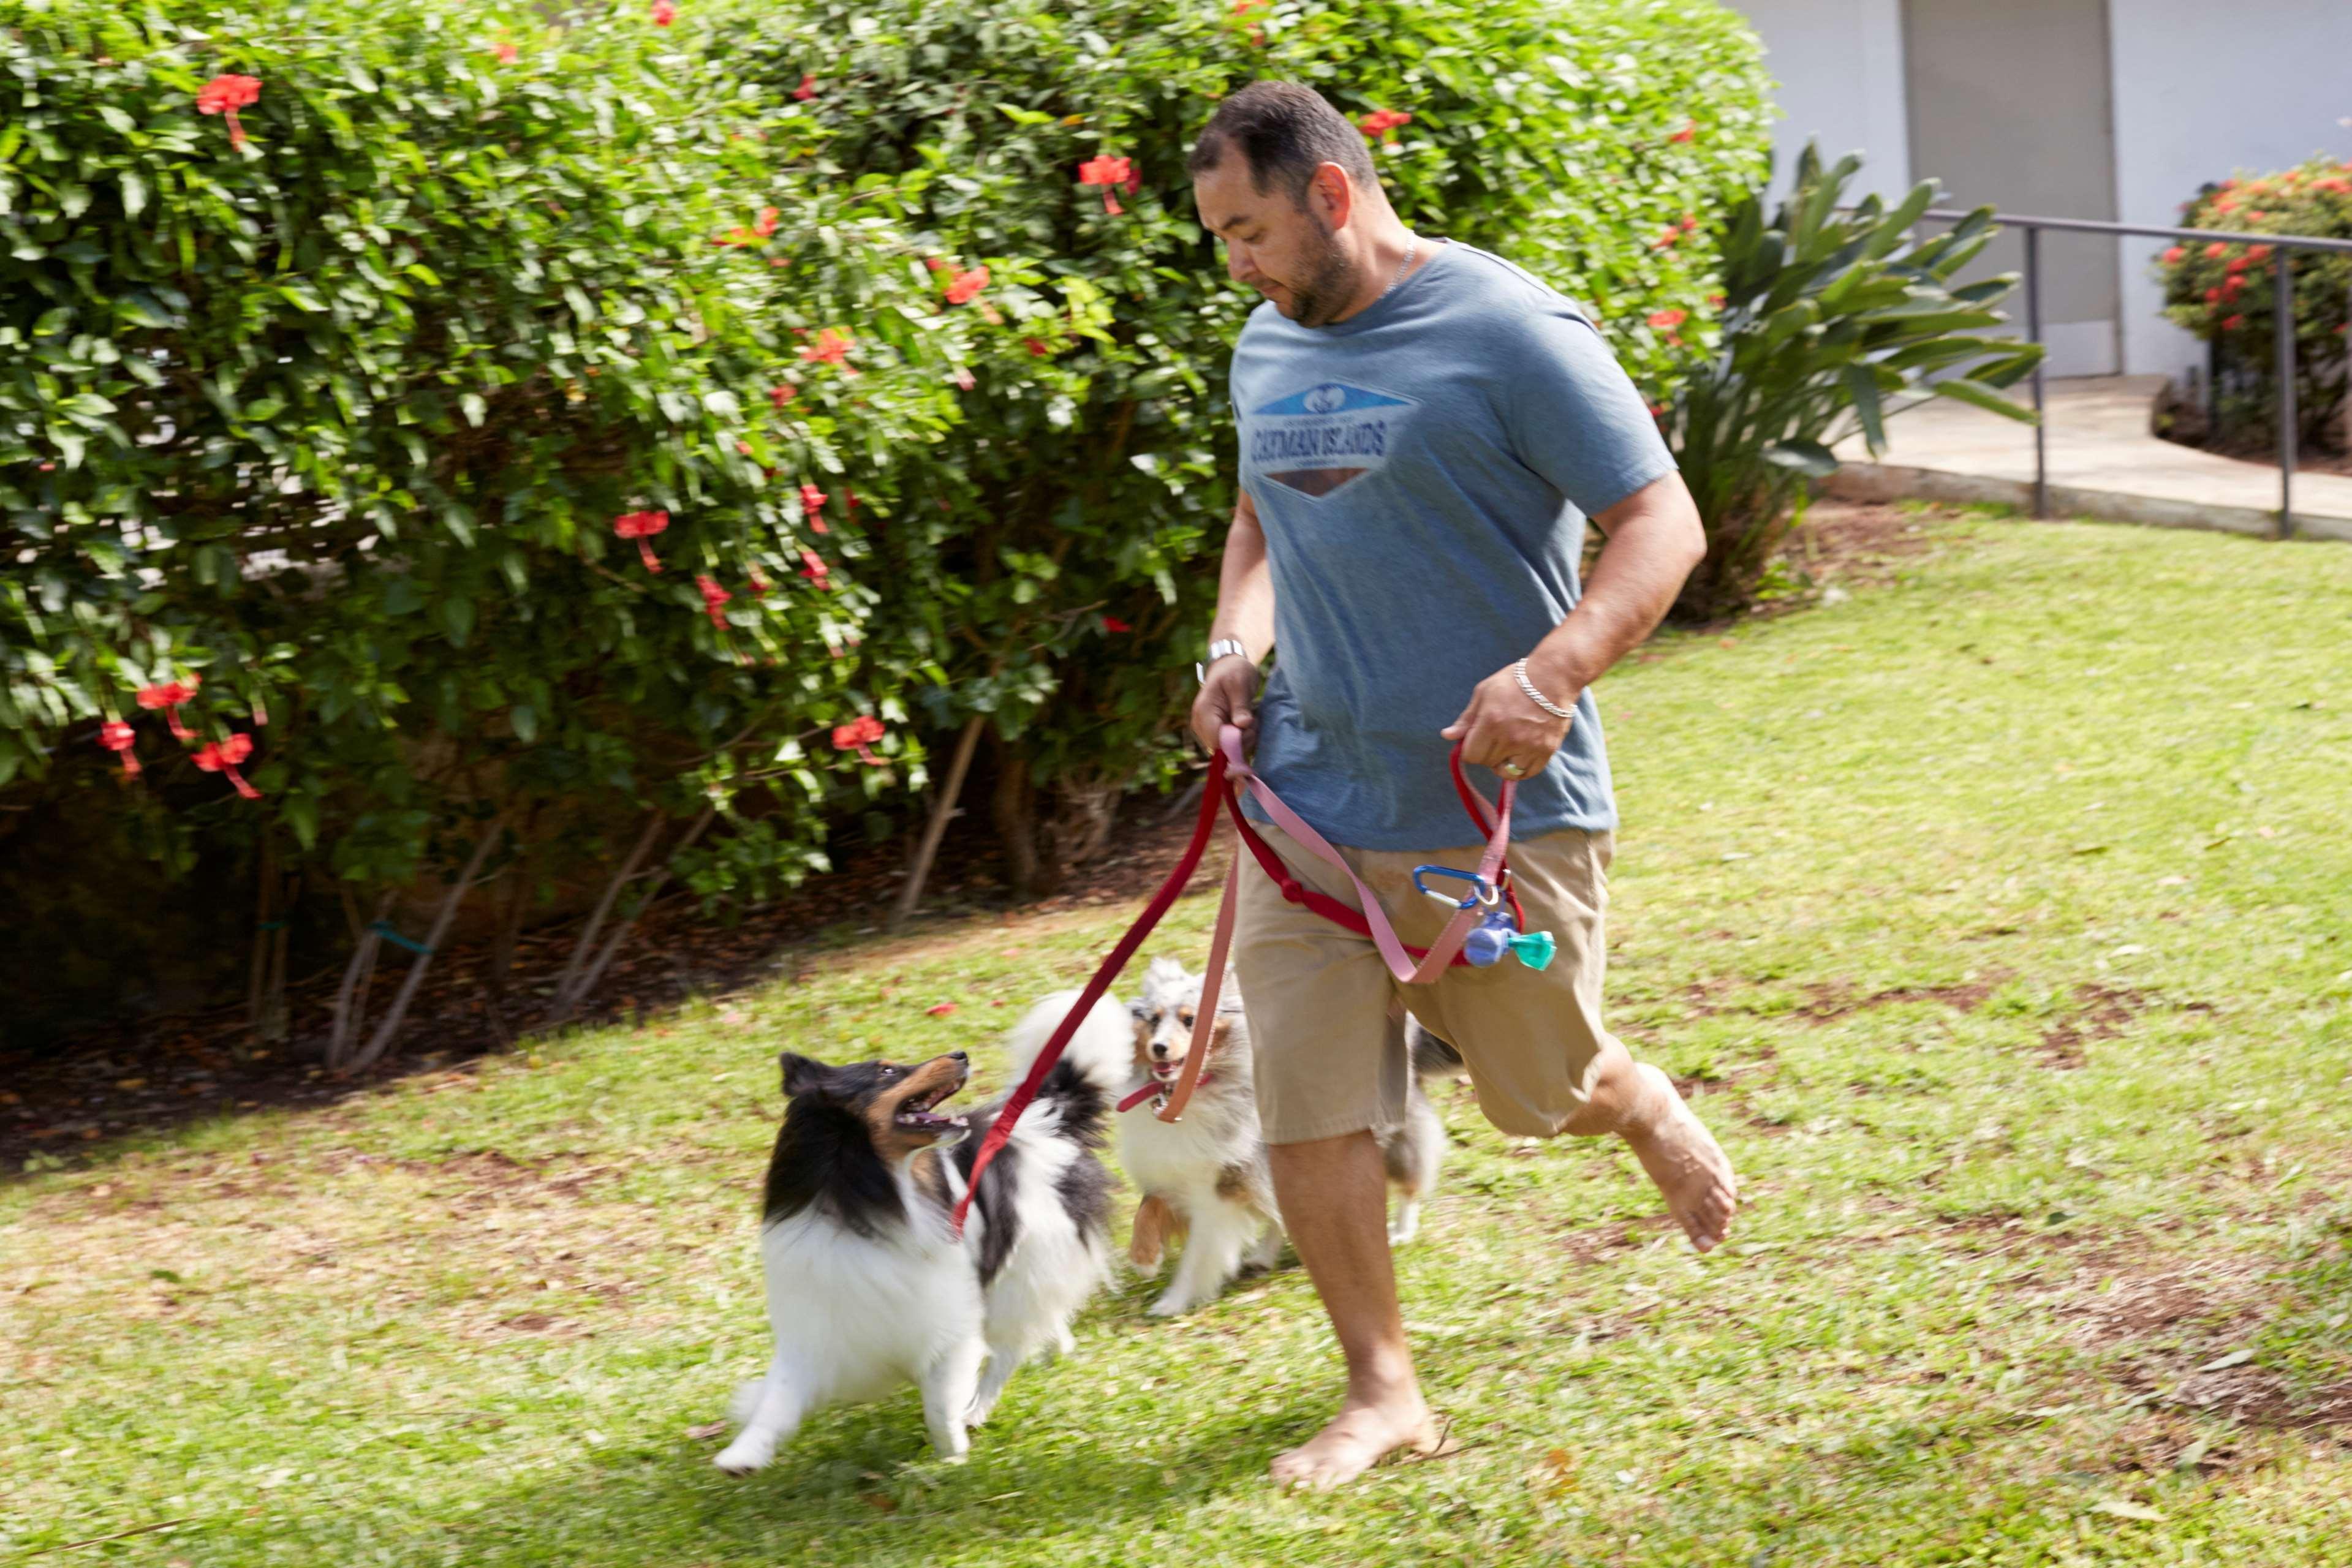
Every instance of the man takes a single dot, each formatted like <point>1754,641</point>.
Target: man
<point>1424,429</point>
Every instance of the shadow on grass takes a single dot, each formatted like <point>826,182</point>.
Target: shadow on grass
<point>860,1486</point>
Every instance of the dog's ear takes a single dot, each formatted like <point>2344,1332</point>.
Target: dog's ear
<point>802,1076</point>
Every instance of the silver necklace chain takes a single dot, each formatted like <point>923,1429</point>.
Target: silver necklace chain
<point>1412,244</point>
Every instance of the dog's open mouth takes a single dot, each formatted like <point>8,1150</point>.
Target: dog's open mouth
<point>917,1112</point>
<point>1167,1072</point>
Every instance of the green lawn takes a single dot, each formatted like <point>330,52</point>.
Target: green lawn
<point>1998,914</point>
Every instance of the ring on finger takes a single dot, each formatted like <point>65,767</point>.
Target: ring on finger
<point>1512,770</point>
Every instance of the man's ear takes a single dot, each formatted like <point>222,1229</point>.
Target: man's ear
<point>1329,192</point>
<point>802,1076</point>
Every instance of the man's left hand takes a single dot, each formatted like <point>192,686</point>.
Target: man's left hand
<point>1502,729</point>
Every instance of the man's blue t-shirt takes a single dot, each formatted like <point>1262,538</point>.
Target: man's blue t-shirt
<point>1422,471</point>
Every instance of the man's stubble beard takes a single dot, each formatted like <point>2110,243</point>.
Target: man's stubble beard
<point>1330,282</point>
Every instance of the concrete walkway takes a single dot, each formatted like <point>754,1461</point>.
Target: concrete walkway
<point>2103,463</point>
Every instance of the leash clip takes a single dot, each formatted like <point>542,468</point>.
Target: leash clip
<point>1482,894</point>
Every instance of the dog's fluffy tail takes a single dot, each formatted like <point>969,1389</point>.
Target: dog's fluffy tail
<point>1102,1051</point>
<point>1431,1056</point>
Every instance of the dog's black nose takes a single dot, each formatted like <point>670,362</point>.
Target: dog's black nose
<point>1159,1050</point>
<point>959,1055</point>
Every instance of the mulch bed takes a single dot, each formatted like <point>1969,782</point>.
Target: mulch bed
<point>67,1099</point>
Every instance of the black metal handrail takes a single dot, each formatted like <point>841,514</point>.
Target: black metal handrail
<point>2283,268</point>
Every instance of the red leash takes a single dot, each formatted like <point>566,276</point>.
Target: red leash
<point>1224,765</point>
<point>1018,1102</point>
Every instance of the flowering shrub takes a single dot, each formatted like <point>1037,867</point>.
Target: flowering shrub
<point>363,366</point>
<point>2225,291</point>
<point>1051,566</point>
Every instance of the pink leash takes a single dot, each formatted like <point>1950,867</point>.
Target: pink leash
<point>1225,767</point>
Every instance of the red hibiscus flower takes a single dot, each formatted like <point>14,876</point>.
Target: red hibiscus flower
<point>223,756</point>
<point>782,395</point>
<point>812,567</point>
<point>807,89</point>
<point>641,527</point>
<point>2216,251</point>
<point>1106,170</point>
<point>2258,253</point>
<point>1381,123</point>
<point>2232,323</point>
<point>1037,346</point>
<point>941,1009</point>
<point>2213,295</point>
<point>225,95</point>
<point>812,504</point>
<point>1113,623</point>
<point>119,738</point>
<point>664,12</point>
<point>766,223</point>
<point>506,54</point>
<point>1667,240</point>
<point>859,736</point>
<point>1667,320</point>
<point>831,347</point>
<point>713,598</point>
<point>1689,133</point>
<point>967,285</point>
<point>2173,258</point>
<point>963,380</point>
<point>168,695</point>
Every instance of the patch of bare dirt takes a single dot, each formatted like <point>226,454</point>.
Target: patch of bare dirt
<point>2184,1343</point>
<point>1835,1000</point>
<point>2102,1012</point>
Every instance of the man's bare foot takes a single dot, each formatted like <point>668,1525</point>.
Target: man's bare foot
<point>1355,1440</point>
<point>1683,1158</point>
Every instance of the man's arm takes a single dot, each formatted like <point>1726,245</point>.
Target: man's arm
<point>1655,539</point>
<point>1245,610</point>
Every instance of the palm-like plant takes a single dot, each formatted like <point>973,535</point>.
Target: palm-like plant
<point>1829,314</point>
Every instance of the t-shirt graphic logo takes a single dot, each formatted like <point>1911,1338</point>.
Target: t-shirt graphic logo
<point>1331,433</point>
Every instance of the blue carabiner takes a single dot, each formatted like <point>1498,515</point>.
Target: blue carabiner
<point>1481,891</point>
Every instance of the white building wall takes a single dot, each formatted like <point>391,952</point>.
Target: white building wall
<point>2201,92</point>
<point>1840,67</point>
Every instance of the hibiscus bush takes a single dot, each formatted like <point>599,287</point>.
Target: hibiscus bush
<point>1053,564</point>
<point>421,426</point>
<point>2227,292</point>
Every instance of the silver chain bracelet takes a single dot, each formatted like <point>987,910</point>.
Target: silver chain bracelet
<point>1520,674</point>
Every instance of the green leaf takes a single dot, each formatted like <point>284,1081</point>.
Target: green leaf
<point>476,409</point>
<point>115,119</point>
<point>1981,396</point>
<point>455,613</point>
<point>1808,457</point>
<point>525,719</point>
<point>134,193</point>
<point>1862,386</point>
<point>301,814</point>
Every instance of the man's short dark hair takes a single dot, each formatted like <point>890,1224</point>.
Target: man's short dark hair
<point>1286,131</point>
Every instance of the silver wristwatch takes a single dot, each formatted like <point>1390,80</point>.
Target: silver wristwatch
<point>1218,650</point>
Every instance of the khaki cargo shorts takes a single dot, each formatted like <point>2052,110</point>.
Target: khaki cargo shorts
<point>1319,997</point>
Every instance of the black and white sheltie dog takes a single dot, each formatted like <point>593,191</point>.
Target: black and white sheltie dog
<point>869,1290</point>
<point>1207,1172</point>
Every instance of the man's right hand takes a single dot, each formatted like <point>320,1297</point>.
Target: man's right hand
<point>1224,699</point>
